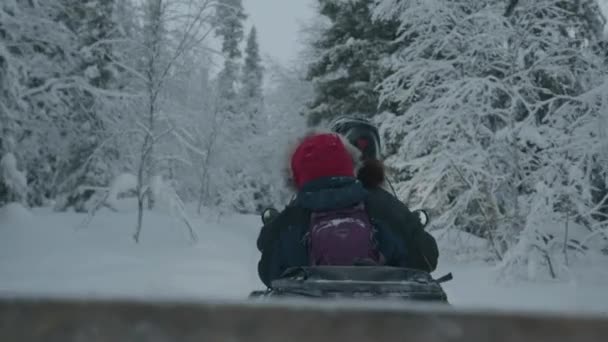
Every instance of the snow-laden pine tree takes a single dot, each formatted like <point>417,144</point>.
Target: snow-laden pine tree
<point>253,184</point>
<point>238,88</point>
<point>348,67</point>
<point>496,116</point>
<point>252,79</point>
<point>229,27</point>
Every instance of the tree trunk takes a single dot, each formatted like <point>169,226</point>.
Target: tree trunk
<point>141,181</point>
<point>140,216</point>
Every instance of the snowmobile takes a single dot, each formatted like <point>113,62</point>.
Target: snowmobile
<point>360,281</point>
<point>356,282</point>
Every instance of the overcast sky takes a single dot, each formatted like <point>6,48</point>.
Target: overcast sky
<point>278,22</point>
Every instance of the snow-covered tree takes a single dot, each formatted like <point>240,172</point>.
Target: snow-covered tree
<point>94,90</point>
<point>171,30</point>
<point>96,33</point>
<point>11,73</point>
<point>229,27</point>
<point>495,127</point>
<point>239,107</point>
<point>31,40</point>
<point>348,65</point>
<point>51,93</point>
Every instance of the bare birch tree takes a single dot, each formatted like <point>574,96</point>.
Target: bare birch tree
<point>171,28</point>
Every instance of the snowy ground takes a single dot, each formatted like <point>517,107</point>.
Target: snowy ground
<point>48,253</point>
<point>51,253</point>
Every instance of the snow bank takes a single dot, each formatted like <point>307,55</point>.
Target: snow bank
<point>14,214</point>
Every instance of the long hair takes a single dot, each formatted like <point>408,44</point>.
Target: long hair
<point>372,173</point>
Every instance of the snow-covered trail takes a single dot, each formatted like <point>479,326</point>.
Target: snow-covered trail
<point>50,254</point>
<point>475,286</point>
<point>46,254</point>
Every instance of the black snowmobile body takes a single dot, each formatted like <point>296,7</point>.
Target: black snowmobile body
<point>357,282</point>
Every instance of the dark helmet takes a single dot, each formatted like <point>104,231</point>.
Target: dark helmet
<point>361,133</point>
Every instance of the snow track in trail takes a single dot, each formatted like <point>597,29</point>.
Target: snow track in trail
<point>44,253</point>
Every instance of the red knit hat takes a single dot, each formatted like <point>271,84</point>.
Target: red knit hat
<point>318,156</point>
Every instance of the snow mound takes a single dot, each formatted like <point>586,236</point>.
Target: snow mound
<point>14,214</point>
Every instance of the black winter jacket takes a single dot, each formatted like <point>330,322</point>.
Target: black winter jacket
<point>281,240</point>
<point>423,249</point>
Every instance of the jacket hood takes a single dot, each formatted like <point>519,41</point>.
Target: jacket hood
<point>331,193</point>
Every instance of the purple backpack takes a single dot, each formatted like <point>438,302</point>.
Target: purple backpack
<point>342,237</point>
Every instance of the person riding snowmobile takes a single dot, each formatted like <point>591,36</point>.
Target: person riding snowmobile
<point>364,135</point>
<point>334,220</point>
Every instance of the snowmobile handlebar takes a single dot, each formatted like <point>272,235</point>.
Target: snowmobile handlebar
<point>445,278</point>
